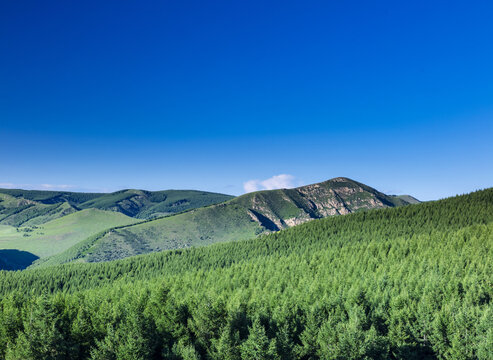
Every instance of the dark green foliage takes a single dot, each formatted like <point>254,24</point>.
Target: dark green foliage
<point>258,345</point>
<point>150,204</point>
<point>29,214</point>
<point>407,283</point>
<point>238,219</point>
<point>34,207</point>
<point>46,333</point>
<point>51,197</point>
<point>27,218</point>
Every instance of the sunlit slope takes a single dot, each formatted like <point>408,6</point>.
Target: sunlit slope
<point>371,234</point>
<point>33,207</point>
<point>51,197</point>
<point>27,217</point>
<point>411,282</point>
<point>58,235</point>
<point>25,212</point>
<point>241,218</point>
<point>144,204</point>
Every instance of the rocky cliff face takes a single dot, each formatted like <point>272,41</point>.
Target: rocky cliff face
<point>241,218</point>
<point>279,209</point>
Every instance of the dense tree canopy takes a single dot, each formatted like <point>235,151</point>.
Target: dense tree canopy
<point>414,282</point>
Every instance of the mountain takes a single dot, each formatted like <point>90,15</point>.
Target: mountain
<point>32,207</point>
<point>20,211</point>
<point>241,218</point>
<point>407,198</point>
<point>37,224</point>
<point>143,204</point>
<point>412,282</point>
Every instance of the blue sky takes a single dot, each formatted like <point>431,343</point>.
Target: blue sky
<point>104,95</point>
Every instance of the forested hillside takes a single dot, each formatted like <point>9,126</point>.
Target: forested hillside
<point>241,218</point>
<point>412,282</point>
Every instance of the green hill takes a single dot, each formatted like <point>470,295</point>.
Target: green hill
<point>32,207</point>
<point>18,211</point>
<point>411,282</point>
<point>60,234</point>
<point>149,204</point>
<point>51,197</point>
<point>407,198</point>
<point>45,223</point>
<point>238,219</point>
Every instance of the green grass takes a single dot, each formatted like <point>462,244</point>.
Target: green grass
<point>32,207</point>
<point>72,238</point>
<point>51,197</point>
<point>411,282</point>
<point>46,223</point>
<point>228,221</point>
<point>20,211</point>
<point>407,198</point>
<point>58,235</point>
<point>149,204</point>
<point>218,223</point>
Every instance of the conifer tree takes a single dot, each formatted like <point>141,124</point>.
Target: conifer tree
<point>258,346</point>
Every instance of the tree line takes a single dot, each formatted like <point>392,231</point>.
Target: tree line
<point>406,283</point>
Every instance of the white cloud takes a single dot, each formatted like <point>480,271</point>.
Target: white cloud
<point>251,185</point>
<point>281,181</point>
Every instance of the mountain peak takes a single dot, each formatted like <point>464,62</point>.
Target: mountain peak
<point>241,218</point>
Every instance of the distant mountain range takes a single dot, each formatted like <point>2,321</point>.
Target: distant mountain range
<point>60,227</point>
<point>34,207</point>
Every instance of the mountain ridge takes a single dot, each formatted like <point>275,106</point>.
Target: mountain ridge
<point>372,277</point>
<point>240,218</point>
<point>31,207</point>
<point>337,196</point>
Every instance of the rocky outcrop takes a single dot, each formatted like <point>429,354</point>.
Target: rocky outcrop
<point>338,196</point>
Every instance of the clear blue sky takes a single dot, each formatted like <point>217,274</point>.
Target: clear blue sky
<point>104,95</point>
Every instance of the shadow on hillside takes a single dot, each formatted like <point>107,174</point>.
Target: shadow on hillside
<point>265,221</point>
<point>12,259</point>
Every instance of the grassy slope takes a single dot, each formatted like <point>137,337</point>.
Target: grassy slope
<point>407,198</point>
<point>58,235</point>
<point>217,224</point>
<point>33,207</point>
<point>402,227</point>
<point>33,211</point>
<point>238,219</point>
<point>148,204</point>
<point>412,282</point>
<point>51,197</point>
<point>23,212</point>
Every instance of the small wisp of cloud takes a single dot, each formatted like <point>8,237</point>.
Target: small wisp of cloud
<point>281,181</point>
